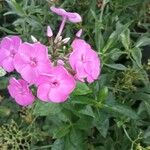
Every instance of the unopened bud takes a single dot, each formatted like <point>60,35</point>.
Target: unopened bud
<point>58,39</point>
<point>49,31</point>
<point>34,39</point>
<point>79,33</point>
<point>2,72</point>
<point>60,62</point>
<point>66,40</point>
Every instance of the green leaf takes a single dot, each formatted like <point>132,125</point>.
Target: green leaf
<point>7,30</point>
<point>125,38</point>
<point>4,111</point>
<point>3,83</point>
<point>84,123</point>
<point>137,55</point>
<point>82,100</point>
<point>143,41</point>
<point>81,89</point>
<point>75,140</point>
<point>87,111</point>
<point>146,89</point>
<point>141,96</point>
<point>15,6</point>
<point>58,145</point>
<point>102,122</point>
<point>115,54</point>
<point>99,38</point>
<point>113,38</point>
<point>93,14</point>
<point>103,93</point>
<point>46,108</point>
<point>61,132</point>
<point>122,110</point>
<point>116,66</point>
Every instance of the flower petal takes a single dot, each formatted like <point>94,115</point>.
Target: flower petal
<point>20,61</point>
<point>7,64</point>
<point>57,96</point>
<point>16,41</point>
<point>58,11</point>
<point>6,43</point>
<point>42,92</point>
<point>4,53</point>
<point>24,100</point>
<point>29,74</point>
<point>74,17</point>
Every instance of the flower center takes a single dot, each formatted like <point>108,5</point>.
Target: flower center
<point>33,62</point>
<point>83,58</point>
<point>12,53</point>
<point>54,84</point>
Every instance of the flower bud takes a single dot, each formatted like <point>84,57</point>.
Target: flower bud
<point>58,39</point>
<point>66,40</point>
<point>60,62</point>
<point>49,31</point>
<point>79,33</point>
<point>33,39</point>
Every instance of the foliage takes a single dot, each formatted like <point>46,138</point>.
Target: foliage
<point>111,113</point>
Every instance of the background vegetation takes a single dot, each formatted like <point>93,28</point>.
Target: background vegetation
<point>111,114</point>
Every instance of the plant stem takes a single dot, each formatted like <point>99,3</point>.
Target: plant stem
<point>102,11</point>
<point>61,26</point>
<point>42,147</point>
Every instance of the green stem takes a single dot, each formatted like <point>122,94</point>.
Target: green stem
<point>42,147</point>
<point>102,11</point>
<point>126,133</point>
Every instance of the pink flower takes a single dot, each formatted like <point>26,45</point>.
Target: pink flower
<point>32,60</point>
<point>84,61</point>
<point>8,49</point>
<point>71,16</point>
<point>56,85</point>
<point>20,91</point>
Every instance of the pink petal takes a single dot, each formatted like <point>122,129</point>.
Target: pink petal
<point>24,100</point>
<point>44,78</point>
<point>79,67</point>
<point>79,46</point>
<point>26,49</point>
<point>6,43</point>
<point>14,82</point>
<point>7,64</point>
<point>57,96</point>
<point>16,41</point>
<point>58,11</point>
<point>40,51</point>
<point>89,79</point>
<point>44,67</point>
<point>4,53</point>
<point>29,74</point>
<point>20,61</point>
<point>12,90</point>
<point>74,17</point>
<point>42,92</point>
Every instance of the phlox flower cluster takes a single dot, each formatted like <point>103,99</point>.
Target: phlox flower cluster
<point>54,77</point>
